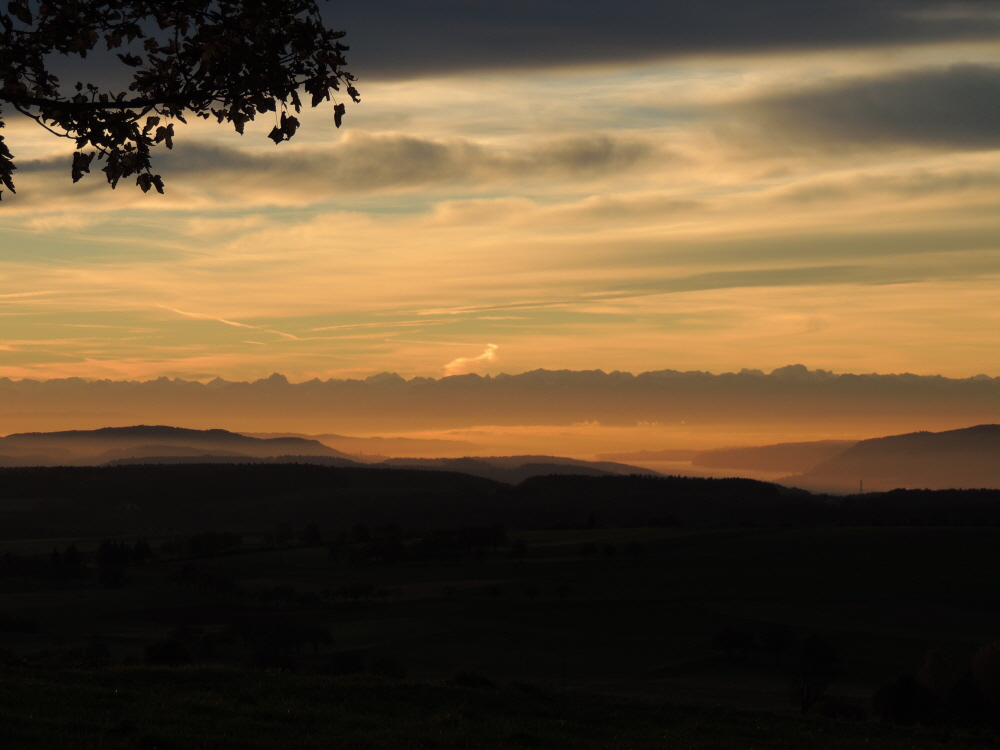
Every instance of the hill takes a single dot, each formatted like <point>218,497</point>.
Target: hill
<point>159,444</point>
<point>515,469</point>
<point>764,459</point>
<point>956,459</point>
<point>795,457</point>
<point>93,447</point>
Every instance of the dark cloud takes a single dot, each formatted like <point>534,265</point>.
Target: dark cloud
<point>365,162</point>
<point>405,38</point>
<point>956,107</point>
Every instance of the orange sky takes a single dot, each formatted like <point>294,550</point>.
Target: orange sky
<point>702,212</point>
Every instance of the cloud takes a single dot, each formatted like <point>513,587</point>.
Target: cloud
<point>403,39</point>
<point>956,107</point>
<point>235,324</point>
<point>465,365</point>
<point>364,162</point>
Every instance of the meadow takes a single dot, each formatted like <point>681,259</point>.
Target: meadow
<point>625,635</point>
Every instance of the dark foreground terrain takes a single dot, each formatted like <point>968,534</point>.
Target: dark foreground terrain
<point>283,606</point>
<point>195,708</point>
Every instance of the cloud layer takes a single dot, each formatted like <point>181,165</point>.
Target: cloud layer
<point>401,38</point>
<point>956,107</point>
<point>700,212</point>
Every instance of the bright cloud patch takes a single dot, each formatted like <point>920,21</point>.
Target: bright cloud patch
<point>465,365</point>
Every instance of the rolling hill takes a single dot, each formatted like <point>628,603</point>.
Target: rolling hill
<point>968,458</point>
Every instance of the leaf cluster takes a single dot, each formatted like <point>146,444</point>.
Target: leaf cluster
<point>225,59</point>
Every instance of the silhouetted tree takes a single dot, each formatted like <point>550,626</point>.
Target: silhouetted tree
<point>224,59</point>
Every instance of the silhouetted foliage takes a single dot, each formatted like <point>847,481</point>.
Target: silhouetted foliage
<point>220,498</point>
<point>223,59</point>
<point>457,544</point>
<point>940,693</point>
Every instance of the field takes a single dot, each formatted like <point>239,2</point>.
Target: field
<point>195,708</point>
<point>657,625</point>
<point>615,610</point>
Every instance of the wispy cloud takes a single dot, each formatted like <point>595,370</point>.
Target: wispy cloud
<point>235,324</point>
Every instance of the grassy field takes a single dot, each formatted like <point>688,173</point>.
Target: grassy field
<point>202,707</point>
<point>639,615</point>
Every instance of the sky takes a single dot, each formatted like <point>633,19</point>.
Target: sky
<point>710,185</point>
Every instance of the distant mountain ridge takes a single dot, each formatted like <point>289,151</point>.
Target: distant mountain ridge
<point>786,457</point>
<point>515,469</point>
<point>147,441</point>
<point>797,457</point>
<point>967,458</point>
<point>148,444</point>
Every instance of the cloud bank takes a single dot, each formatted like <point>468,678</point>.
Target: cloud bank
<point>402,38</point>
<point>791,398</point>
<point>957,107</point>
